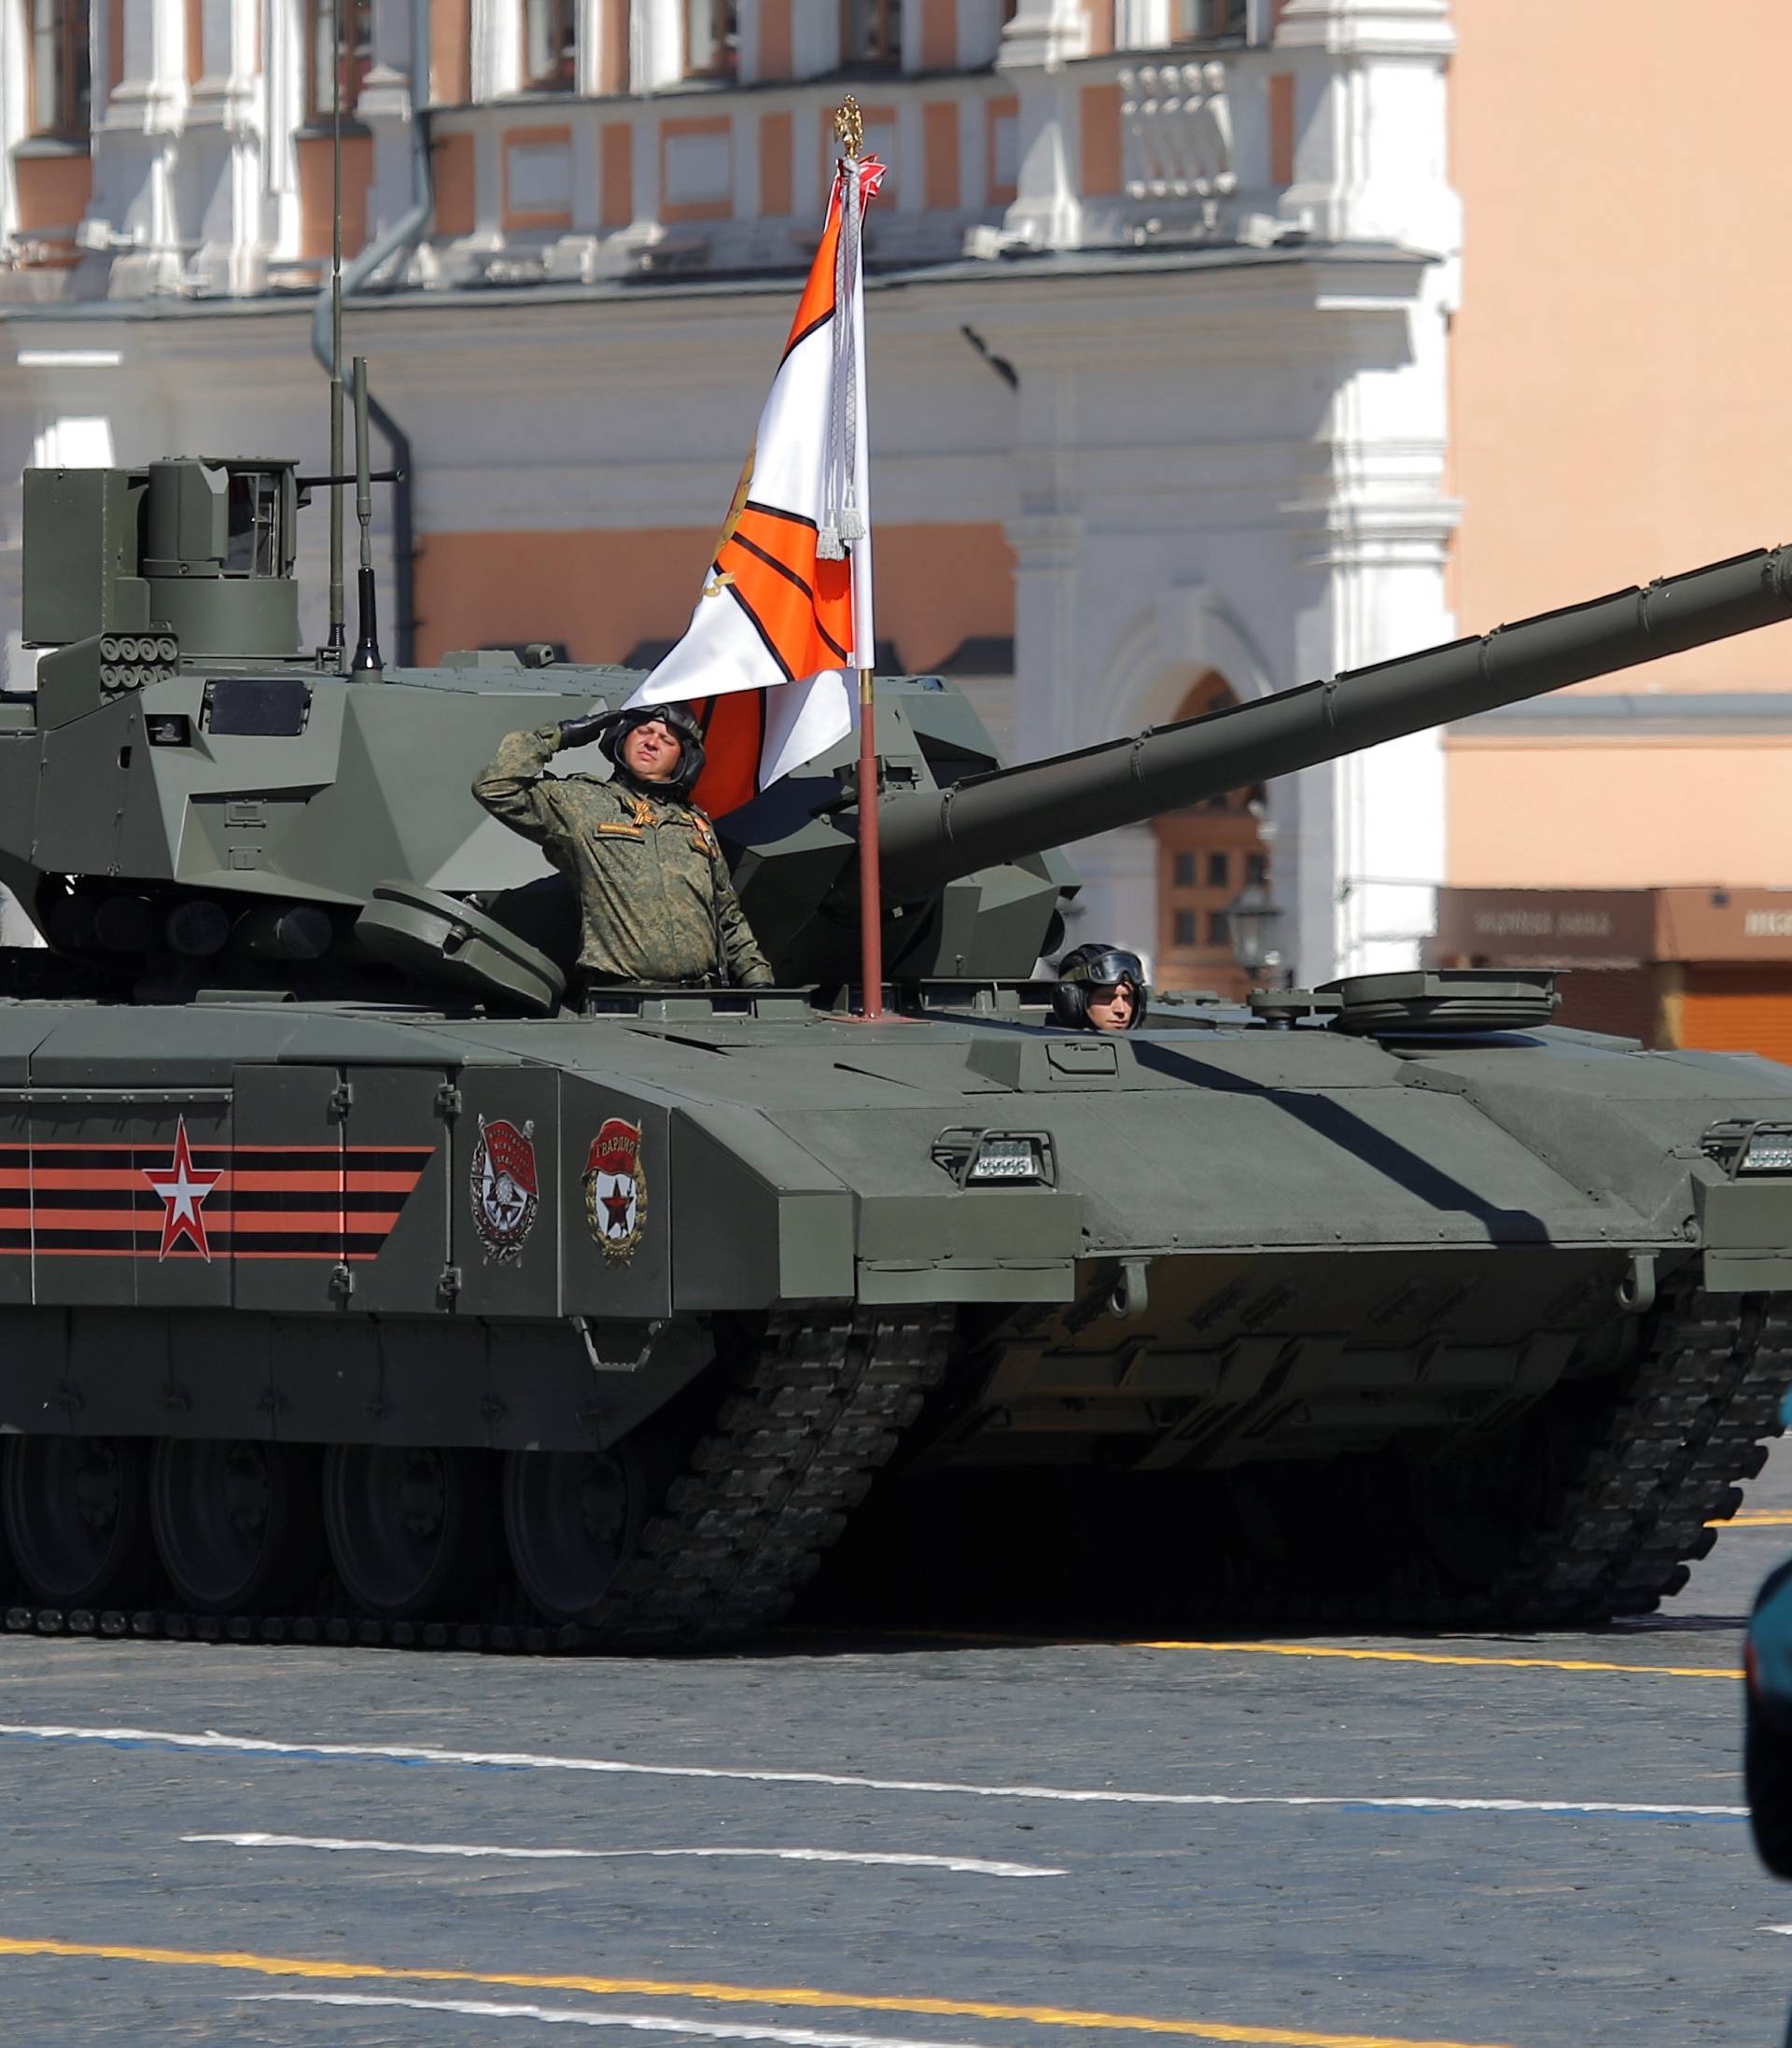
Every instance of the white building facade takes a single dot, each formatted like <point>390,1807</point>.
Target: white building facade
<point>1159,313</point>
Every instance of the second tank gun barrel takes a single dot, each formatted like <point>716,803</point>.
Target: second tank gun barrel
<point>929,840</point>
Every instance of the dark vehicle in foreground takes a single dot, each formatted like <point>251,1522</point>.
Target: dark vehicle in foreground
<point>350,1280</point>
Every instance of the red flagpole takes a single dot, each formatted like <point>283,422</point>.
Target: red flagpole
<point>849,126</point>
<point>871,906</point>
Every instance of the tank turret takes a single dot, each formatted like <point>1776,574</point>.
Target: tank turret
<point>194,799</point>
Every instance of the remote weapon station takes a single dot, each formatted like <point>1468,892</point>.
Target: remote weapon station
<point>353,1282</point>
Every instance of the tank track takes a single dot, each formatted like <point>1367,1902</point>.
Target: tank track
<point>805,1422</point>
<point>1666,1461</point>
<point>1688,1420</point>
<point>810,1420</point>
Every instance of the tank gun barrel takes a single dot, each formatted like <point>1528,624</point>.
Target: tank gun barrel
<point>929,840</point>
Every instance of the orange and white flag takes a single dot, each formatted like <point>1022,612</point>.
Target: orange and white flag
<point>784,623</point>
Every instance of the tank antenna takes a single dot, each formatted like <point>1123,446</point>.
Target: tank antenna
<point>366,648</point>
<point>338,632</point>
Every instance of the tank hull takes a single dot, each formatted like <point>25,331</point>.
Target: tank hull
<point>437,1253</point>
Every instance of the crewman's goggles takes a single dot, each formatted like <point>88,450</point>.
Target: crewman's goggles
<point>1106,970</point>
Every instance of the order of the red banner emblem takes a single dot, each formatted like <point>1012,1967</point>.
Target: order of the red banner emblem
<point>615,1186</point>
<point>503,1186</point>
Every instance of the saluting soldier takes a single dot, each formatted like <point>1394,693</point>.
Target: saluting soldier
<point>656,903</point>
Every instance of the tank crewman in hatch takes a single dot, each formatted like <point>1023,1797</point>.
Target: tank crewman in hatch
<point>655,901</point>
<point>1099,989</point>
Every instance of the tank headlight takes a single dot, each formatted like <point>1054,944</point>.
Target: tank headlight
<point>995,1158</point>
<point>1768,1150</point>
<point>1742,1147</point>
<point>1005,1159</point>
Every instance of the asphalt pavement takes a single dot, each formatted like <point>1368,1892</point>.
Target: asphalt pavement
<point>1377,1842</point>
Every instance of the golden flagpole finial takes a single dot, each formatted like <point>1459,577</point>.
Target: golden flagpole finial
<point>849,126</point>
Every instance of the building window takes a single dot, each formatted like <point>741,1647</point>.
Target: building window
<point>1219,932</point>
<point>343,28</point>
<point>1185,927</point>
<point>1184,871</point>
<point>1256,867</point>
<point>711,38</point>
<point>870,31</point>
<point>550,45</point>
<point>60,74</point>
<point>1219,870</point>
<point>1207,20</point>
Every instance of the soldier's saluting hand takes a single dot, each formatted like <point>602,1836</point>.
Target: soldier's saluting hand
<point>655,900</point>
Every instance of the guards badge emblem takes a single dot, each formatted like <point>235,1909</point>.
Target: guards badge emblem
<point>616,1190</point>
<point>504,1189</point>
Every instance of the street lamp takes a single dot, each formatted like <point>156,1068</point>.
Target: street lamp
<point>1251,917</point>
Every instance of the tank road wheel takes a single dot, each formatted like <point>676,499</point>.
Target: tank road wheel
<point>410,1528</point>
<point>573,1518</point>
<point>74,1510</point>
<point>237,1525</point>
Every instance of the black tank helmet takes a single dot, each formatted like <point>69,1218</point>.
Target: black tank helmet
<point>681,720</point>
<point>1096,967</point>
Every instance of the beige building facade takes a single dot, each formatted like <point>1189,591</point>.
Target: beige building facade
<point>1612,417</point>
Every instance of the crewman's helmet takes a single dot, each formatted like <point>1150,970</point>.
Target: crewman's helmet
<point>682,720</point>
<point>1091,967</point>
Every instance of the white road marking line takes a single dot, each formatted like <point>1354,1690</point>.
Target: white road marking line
<point>972,1866</point>
<point>642,2023</point>
<point>133,1739</point>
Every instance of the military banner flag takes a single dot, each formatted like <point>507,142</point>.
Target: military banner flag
<point>784,620</point>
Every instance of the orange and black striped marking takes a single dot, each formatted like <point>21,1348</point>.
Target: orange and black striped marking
<point>96,1200</point>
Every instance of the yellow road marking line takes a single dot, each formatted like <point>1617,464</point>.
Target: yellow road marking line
<point>1765,1518</point>
<point>721,1994</point>
<point>1434,1657</point>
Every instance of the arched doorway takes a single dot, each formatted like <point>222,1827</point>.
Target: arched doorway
<point>1205,856</point>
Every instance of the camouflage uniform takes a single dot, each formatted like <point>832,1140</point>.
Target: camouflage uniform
<point>655,901</point>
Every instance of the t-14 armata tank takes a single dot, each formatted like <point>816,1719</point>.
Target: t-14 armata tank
<point>350,1282</point>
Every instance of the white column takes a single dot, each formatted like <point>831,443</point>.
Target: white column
<point>1048,666</point>
<point>743,127</point>
<point>384,108</point>
<point>136,204</point>
<point>655,45</point>
<point>746,31</point>
<point>815,38</point>
<point>1140,25</point>
<point>806,160</point>
<point>283,112</point>
<point>588,78</point>
<point>219,151</point>
<point>1370,120</point>
<point>979,33</point>
<point>15,75</point>
<point>1047,209</point>
<point>1117,904</point>
<point>1043,34</point>
<point>973,152</point>
<point>496,31</point>
<point>1373,532</point>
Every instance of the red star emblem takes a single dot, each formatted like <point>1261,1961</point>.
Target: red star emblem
<point>184,1188</point>
<point>616,1206</point>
